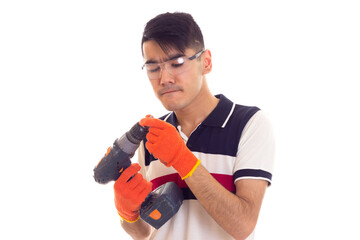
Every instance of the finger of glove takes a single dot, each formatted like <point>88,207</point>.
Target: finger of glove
<point>128,173</point>
<point>160,153</point>
<point>133,183</point>
<point>129,196</point>
<point>157,131</point>
<point>143,189</point>
<point>149,147</point>
<point>152,137</point>
<point>153,122</point>
<point>146,190</point>
<point>140,193</point>
<point>167,134</point>
<point>155,147</point>
<point>133,199</point>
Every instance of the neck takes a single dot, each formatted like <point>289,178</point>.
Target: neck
<point>191,116</point>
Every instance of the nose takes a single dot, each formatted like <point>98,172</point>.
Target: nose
<point>165,76</point>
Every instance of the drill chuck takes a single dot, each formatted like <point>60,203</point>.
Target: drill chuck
<point>137,133</point>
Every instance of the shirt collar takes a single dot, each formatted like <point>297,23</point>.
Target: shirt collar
<point>217,118</point>
<point>221,114</point>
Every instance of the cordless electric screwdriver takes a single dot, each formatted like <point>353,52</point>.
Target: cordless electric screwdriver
<point>162,203</point>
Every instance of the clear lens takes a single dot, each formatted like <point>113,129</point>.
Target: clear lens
<point>174,67</point>
<point>177,66</point>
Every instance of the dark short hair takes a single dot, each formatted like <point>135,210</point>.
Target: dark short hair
<point>177,31</point>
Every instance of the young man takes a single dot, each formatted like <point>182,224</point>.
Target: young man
<point>221,154</point>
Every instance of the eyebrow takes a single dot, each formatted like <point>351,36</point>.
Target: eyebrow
<point>172,57</point>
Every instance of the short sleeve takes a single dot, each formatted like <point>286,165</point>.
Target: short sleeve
<point>256,150</point>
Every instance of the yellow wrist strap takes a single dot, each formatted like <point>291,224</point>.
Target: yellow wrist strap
<point>123,219</point>
<point>192,170</point>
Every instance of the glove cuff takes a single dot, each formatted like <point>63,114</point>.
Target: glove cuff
<point>192,170</point>
<point>130,219</point>
<point>187,165</point>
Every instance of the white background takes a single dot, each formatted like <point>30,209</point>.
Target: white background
<point>71,83</point>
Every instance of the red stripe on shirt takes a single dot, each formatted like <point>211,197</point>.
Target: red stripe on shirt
<point>225,180</point>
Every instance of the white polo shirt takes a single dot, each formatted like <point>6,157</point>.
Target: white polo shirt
<point>234,142</point>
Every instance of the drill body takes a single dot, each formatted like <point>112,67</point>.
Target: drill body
<point>162,203</point>
<point>117,157</point>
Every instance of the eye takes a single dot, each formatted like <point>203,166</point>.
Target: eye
<point>152,68</point>
<point>177,62</point>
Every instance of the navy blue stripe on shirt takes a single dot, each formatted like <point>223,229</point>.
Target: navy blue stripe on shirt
<point>255,173</point>
<point>188,194</point>
<point>211,137</point>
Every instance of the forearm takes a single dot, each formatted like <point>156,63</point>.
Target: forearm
<point>234,214</point>
<point>138,230</point>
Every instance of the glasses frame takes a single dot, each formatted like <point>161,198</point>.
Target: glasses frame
<point>196,55</point>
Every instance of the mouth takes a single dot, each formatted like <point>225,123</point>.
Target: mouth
<point>169,92</point>
<point>166,91</point>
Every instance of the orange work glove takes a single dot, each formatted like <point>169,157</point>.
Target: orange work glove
<point>164,142</point>
<point>130,194</point>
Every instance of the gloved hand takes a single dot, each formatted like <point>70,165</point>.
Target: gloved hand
<point>164,142</point>
<point>130,194</point>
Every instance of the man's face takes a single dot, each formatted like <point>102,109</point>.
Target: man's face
<point>178,91</point>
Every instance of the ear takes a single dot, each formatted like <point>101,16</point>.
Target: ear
<point>207,61</point>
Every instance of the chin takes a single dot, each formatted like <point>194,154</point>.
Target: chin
<point>171,105</point>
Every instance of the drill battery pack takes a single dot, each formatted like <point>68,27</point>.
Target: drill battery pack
<point>161,204</point>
